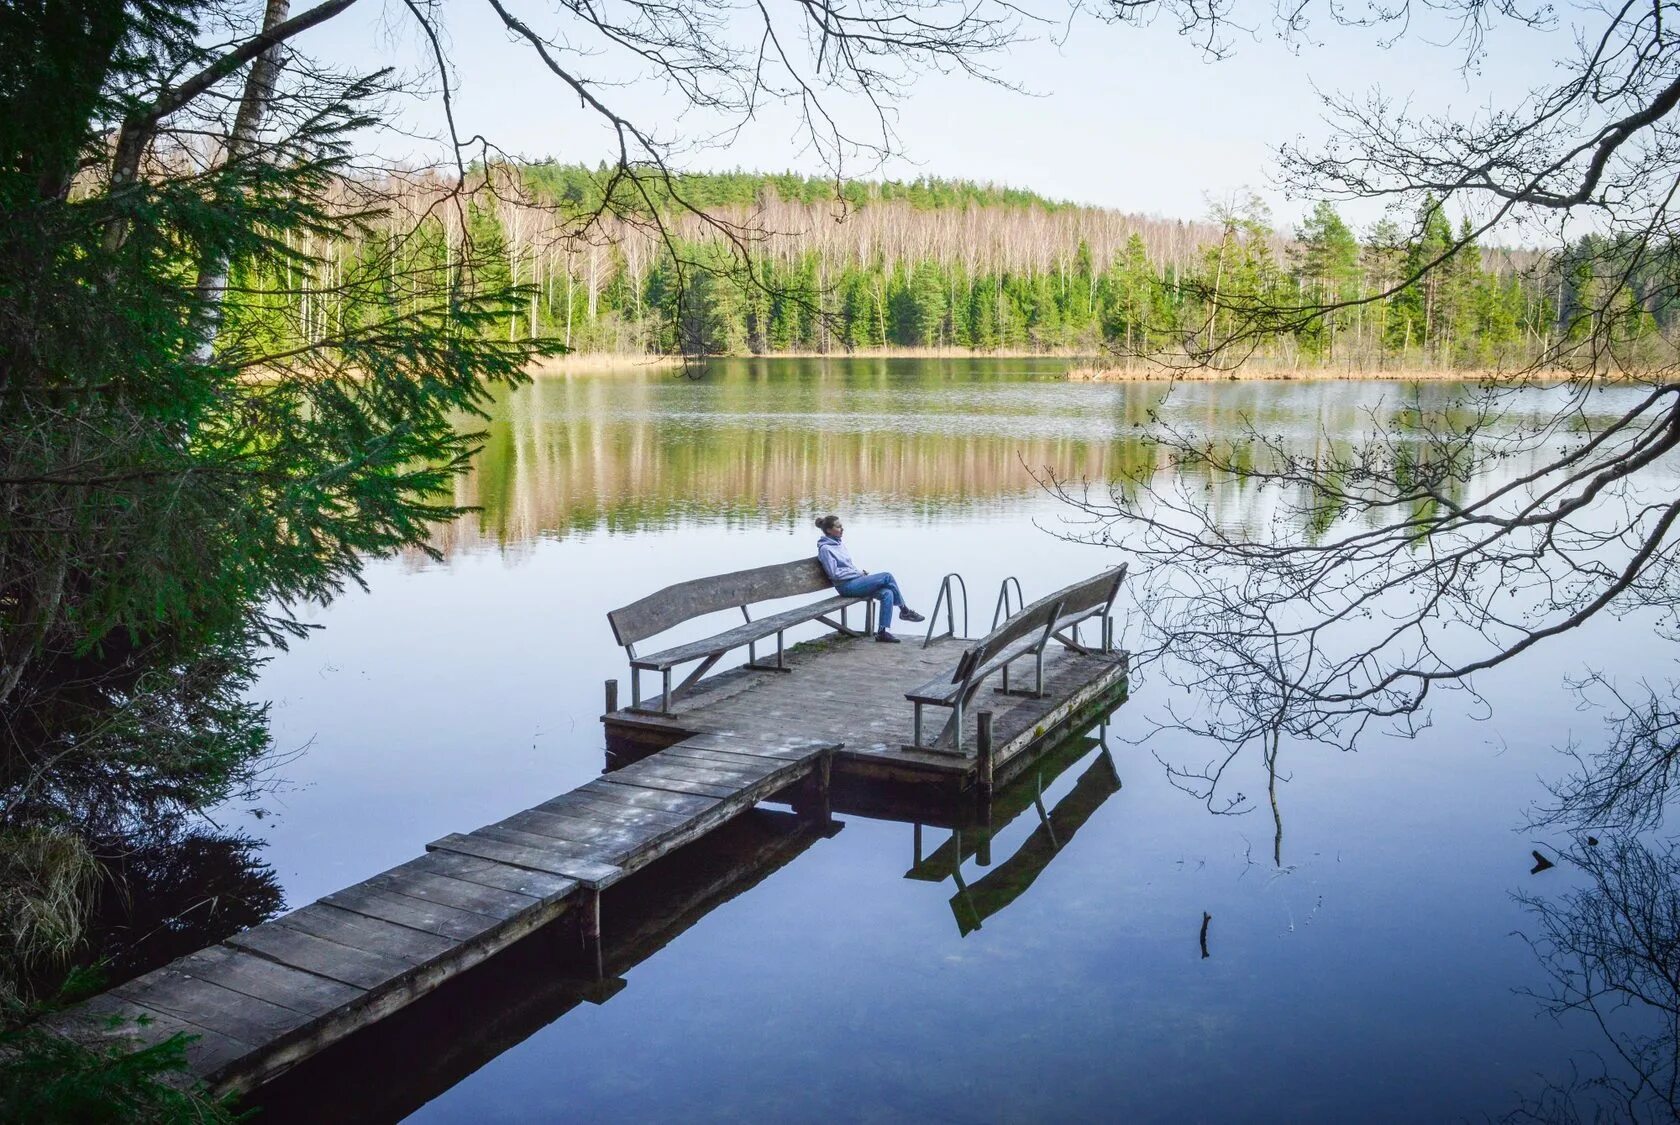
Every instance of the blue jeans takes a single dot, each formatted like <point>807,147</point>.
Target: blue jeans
<point>880,586</point>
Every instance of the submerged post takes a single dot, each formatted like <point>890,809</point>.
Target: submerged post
<point>983,754</point>
<point>612,696</point>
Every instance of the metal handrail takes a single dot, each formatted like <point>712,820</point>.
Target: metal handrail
<point>947,598</point>
<point>1002,612</point>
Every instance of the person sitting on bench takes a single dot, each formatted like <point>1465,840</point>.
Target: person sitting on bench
<point>851,582</point>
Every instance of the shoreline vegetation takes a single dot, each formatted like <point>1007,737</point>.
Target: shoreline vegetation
<point>1084,367</point>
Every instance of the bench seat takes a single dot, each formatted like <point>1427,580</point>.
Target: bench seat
<point>743,634</point>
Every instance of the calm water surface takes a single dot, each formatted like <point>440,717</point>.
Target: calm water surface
<point>1376,974</point>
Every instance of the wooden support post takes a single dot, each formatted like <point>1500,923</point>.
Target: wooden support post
<point>592,932</point>
<point>817,803</point>
<point>612,696</point>
<point>983,754</point>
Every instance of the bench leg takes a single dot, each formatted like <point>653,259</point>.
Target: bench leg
<point>779,662</point>
<point>635,688</point>
<point>665,698</point>
<point>916,738</point>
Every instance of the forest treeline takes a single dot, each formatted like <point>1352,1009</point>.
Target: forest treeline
<point>746,263</point>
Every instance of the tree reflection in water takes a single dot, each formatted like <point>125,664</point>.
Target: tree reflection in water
<point>1611,952</point>
<point>169,895</point>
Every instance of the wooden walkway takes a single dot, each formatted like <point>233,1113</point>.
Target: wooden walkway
<point>280,992</point>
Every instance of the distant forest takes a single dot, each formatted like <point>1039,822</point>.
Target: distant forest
<point>749,263</point>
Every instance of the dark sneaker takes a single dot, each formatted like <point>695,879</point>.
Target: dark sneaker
<point>911,615</point>
<point>886,638</point>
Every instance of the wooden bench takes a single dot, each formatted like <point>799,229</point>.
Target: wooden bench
<point>697,597</point>
<point>1026,633</point>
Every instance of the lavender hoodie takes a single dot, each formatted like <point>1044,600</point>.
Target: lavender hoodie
<point>836,560</point>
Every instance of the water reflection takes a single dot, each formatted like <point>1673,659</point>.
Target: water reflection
<point>977,899</point>
<point>764,441</point>
<point>163,896</point>
<point>1610,950</point>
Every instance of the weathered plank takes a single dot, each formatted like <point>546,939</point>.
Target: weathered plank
<point>241,971</point>
<point>429,917</point>
<point>593,821</point>
<point>361,932</point>
<point>761,747</point>
<point>580,803</point>
<point>457,893</point>
<point>588,872</point>
<point>210,1006</point>
<point>668,800</point>
<point>604,837</point>
<point>654,781</point>
<point>540,885</point>
<point>676,769</point>
<point>722,759</point>
<point>363,968</point>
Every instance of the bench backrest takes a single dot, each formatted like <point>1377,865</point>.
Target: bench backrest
<point>1032,618</point>
<point>697,597</point>
<point>1092,593</point>
<point>1081,597</point>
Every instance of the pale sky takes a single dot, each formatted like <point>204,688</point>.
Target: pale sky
<point>1134,119</point>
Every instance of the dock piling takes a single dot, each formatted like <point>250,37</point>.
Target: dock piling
<point>983,753</point>
<point>612,696</point>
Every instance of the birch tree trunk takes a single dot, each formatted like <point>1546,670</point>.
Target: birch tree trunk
<point>242,139</point>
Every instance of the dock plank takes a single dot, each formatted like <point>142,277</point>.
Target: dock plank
<point>611,821</point>
<point>678,769</point>
<point>585,871</point>
<point>307,993</point>
<point>580,804</point>
<point>723,759</point>
<point>363,968</point>
<point>210,1006</point>
<point>428,917</point>
<point>673,785</point>
<point>606,837</point>
<point>787,748</point>
<point>673,801</point>
<point>541,885</point>
<point>609,850</point>
<point>359,931</point>
<point>457,893</point>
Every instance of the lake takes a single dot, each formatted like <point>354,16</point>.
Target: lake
<point>1379,972</point>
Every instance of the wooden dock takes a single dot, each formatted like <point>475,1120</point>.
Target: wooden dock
<point>269,997</point>
<point>827,732</point>
<point>849,692</point>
